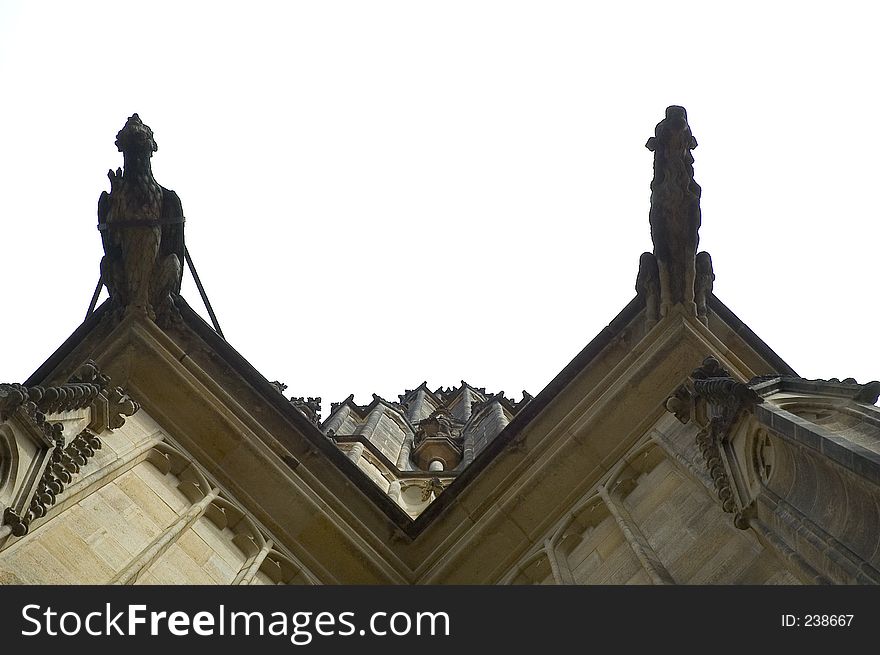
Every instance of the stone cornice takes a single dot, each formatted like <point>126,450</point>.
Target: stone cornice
<point>228,416</point>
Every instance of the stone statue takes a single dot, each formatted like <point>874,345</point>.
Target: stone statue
<point>141,227</point>
<point>675,209</point>
<point>705,277</point>
<point>648,285</point>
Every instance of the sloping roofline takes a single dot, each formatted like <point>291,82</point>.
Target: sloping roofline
<point>310,431</point>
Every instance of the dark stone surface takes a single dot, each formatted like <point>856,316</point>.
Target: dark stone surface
<point>141,226</point>
<point>675,207</point>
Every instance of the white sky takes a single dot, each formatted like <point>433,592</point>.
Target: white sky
<point>379,193</point>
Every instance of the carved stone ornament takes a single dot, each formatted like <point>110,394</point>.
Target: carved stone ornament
<point>674,274</point>
<point>438,438</point>
<point>716,401</point>
<point>88,387</point>
<point>64,464</point>
<point>433,488</point>
<point>309,407</point>
<point>80,391</point>
<point>141,226</point>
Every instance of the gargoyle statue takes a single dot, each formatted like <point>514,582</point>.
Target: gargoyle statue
<point>141,227</point>
<point>648,285</point>
<point>675,210</point>
<point>703,284</point>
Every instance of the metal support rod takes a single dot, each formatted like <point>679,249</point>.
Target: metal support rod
<point>95,295</point>
<point>202,292</point>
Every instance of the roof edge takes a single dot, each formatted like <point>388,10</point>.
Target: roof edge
<point>747,335</point>
<point>78,336</point>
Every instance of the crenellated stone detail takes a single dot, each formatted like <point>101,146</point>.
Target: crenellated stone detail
<point>308,407</point>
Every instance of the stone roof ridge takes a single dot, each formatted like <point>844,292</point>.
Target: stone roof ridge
<point>448,394</point>
<point>390,404</point>
<point>361,411</point>
<point>442,397</point>
<point>848,387</point>
<point>348,401</point>
<point>407,395</point>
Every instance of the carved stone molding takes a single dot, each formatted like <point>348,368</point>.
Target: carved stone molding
<point>64,464</point>
<point>717,402</point>
<point>87,388</point>
<point>80,391</point>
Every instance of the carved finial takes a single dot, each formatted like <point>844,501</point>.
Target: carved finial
<point>675,210</point>
<point>141,226</point>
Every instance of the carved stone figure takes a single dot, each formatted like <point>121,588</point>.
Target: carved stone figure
<point>141,227</point>
<point>648,285</point>
<point>310,407</point>
<point>437,438</point>
<point>675,209</point>
<point>705,277</point>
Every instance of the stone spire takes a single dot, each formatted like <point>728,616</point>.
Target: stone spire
<point>668,276</point>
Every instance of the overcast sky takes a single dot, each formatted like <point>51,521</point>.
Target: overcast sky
<point>381,193</point>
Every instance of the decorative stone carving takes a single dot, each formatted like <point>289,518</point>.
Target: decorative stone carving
<point>141,226</point>
<point>763,455</point>
<point>80,391</point>
<point>438,438</point>
<point>716,401</point>
<point>309,407</point>
<point>438,431</point>
<point>705,278</point>
<point>64,463</point>
<point>433,488</point>
<point>120,406</point>
<point>675,212</point>
<point>88,387</point>
<point>867,393</point>
<point>648,286</point>
<point>12,396</point>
